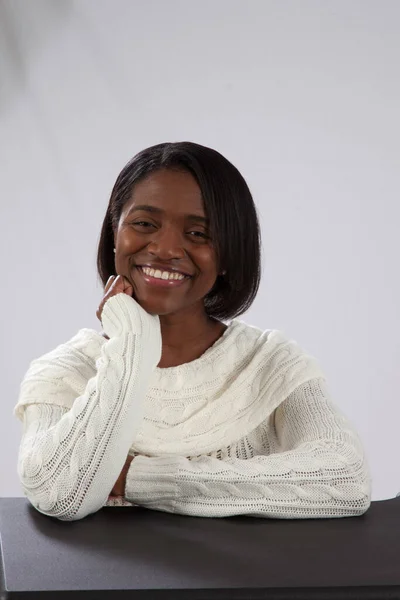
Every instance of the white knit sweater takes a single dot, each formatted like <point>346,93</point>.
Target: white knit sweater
<point>247,428</point>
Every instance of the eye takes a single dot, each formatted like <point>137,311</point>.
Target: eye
<point>143,223</point>
<point>199,233</point>
<point>194,234</point>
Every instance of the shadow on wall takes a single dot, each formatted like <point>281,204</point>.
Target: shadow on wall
<point>24,28</point>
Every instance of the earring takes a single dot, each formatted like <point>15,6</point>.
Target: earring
<point>114,250</point>
<point>223,273</point>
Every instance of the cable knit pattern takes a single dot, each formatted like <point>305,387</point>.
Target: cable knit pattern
<point>70,459</point>
<point>247,428</point>
<point>194,409</point>
<point>304,461</point>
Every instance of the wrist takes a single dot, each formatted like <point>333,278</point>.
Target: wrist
<point>119,487</point>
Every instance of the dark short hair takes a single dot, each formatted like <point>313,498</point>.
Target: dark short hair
<point>229,206</point>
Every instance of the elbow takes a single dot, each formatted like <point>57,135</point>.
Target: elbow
<point>49,502</point>
<point>54,498</point>
<point>71,516</point>
<point>43,495</point>
<point>64,500</point>
<point>62,511</point>
<point>354,484</point>
<point>69,513</point>
<point>359,499</point>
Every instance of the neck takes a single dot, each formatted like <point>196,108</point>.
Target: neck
<point>185,328</point>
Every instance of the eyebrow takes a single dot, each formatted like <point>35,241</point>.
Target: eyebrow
<point>157,210</point>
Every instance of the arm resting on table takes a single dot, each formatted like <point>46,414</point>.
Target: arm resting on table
<point>69,460</point>
<point>318,471</point>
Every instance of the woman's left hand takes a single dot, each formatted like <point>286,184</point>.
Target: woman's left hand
<point>119,486</point>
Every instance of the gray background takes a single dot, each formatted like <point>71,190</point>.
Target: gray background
<point>302,96</point>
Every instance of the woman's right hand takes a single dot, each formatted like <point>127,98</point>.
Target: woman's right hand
<point>116,284</point>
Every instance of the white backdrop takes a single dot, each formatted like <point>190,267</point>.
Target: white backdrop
<point>302,96</point>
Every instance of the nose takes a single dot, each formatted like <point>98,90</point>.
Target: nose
<point>167,243</point>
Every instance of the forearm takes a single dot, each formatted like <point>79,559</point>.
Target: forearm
<point>313,466</point>
<point>322,481</point>
<point>68,463</point>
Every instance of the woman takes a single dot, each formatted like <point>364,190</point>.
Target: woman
<point>170,407</point>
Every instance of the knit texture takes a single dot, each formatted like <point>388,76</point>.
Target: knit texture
<point>247,428</point>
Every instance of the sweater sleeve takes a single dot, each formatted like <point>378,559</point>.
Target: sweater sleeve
<point>70,460</point>
<point>318,469</point>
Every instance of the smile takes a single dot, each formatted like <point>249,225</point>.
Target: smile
<point>162,279</point>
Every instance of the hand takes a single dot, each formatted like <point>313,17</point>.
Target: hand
<point>119,486</point>
<point>116,284</point>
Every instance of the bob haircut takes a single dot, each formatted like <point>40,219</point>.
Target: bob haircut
<point>229,206</point>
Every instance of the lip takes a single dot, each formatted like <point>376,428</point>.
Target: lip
<point>156,266</point>
<point>166,283</point>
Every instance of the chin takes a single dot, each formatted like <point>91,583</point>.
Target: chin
<point>158,308</point>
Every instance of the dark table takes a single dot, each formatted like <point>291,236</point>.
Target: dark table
<point>135,553</point>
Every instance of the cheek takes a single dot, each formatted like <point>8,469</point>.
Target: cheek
<point>212,270</point>
<point>207,258</point>
<point>125,240</point>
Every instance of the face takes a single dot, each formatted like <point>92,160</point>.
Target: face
<point>163,226</point>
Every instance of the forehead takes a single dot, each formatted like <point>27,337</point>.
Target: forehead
<point>175,191</point>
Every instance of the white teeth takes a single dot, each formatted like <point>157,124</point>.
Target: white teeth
<point>162,274</point>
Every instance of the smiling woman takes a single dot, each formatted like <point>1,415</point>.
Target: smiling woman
<point>170,240</point>
<point>178,405</point>
<point>184,192</point>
